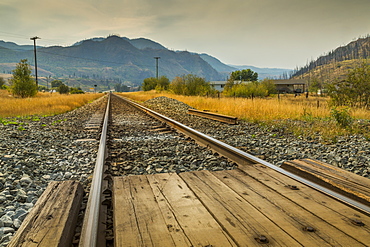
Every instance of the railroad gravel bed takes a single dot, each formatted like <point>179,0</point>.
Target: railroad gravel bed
<point>46,149</point>
<point>351,152</point>
<point>142,145</point>
<point>40,150</point>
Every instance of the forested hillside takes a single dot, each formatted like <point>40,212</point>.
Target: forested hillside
<point>337,62</point>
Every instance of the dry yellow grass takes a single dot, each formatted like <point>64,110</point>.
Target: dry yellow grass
<point>42,104</point>
<point>312,114</point>
<point>287,107</point>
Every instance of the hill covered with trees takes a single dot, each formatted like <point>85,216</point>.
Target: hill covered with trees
<point>336,63</point>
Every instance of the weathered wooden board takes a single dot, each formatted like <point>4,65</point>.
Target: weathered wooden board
<point>301,224</point>
<point>326,208</point>
<point>249,206</point>
<point>245,223</point>
<point>52,220</point>
<point>334,178</point>
<point>160,210</point>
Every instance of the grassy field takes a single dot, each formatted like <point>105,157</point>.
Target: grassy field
<point>42,104</point>
<point>311,116</point>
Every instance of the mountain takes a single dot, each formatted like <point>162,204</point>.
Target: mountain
<point>108,61</point>
<point>336,63</point>
<point>217,64</point>
<point>15,47</point>
<point>140,43</point>
<point>272,73</point>
<point>225,70</point>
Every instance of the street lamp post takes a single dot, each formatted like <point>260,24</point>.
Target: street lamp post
<point>34,51</point>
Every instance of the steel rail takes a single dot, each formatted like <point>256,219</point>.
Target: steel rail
<point>90,227</point>
<point>243,158</point>
<point>214,116</point>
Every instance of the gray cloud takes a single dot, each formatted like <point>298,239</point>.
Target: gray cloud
<point>266,33</point>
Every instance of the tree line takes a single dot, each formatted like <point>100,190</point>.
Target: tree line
<point>242,83</point>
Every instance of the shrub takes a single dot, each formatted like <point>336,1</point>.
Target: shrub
<point>251,89</point>
<point>159,84</point>
<point>63,89</point>
<point>342,117</point>
<point>190,85</point>
<point>76,90</point>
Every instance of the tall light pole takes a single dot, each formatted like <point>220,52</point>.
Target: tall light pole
<point>34,51</point>
<point>156,58</point>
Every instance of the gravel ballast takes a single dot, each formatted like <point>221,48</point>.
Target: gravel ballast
<point>40,150</point>
<point>60,148</point>
<point>350,152</point>
<point>142,145</point>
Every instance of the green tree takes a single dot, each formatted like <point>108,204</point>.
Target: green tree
<point>315,85</point>
<point>190,85</point>
<point>160,84</point>
<point>238,76</point>
<point>163,84</point>
<point>196,85</point>
<point>244,75</point>
<point>354,90</point>
<point>269,86</point>
<point>2,83</point>
<point>149,84</point>
<point>21,84</point>
<point>56,83</point>
<point>178,86</point>
<point>63,89</point>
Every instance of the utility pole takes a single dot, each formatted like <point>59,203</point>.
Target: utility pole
<point>156,58</point>
<point>34,50</point>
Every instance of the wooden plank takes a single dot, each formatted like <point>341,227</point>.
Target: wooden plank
<point>159,210</point>
<point>52,220</point>
<point>326,208</point>
<point>137,217</point>
<point>184,212</point>
<point>214,116</point>
<point>302,225</point>
<point>334,178</point>
<point>244,223</point>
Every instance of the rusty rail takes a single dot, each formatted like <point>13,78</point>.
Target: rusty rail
<point>214,116</point>
<point>90,235</point>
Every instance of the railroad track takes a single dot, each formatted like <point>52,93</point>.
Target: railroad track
<point>111,182</point>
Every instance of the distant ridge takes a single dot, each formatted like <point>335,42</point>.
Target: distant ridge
<point>359,49</point>
<point>139,43</point>
<point>112,60</point>
<point>14,46</point>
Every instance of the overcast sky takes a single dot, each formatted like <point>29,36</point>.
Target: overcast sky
<point>262,33</point>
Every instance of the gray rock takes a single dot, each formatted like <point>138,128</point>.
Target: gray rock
<point>6,221</point>
<point>25,181</point>
<point>6,230</point>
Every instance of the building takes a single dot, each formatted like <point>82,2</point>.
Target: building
<point>290,86</point>
<point>218,85</point>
